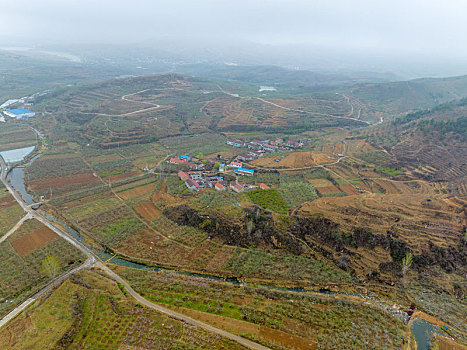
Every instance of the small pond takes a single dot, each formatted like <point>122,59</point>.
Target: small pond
<point>423,331</point>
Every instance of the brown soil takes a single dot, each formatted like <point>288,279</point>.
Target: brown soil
<point>148,211</point>
<point>349,189</point>
<point>296,160</point>
<point>115,178</point>
<point>410,215</point>
<point>448,344</point>
<point>74,179</point>
<point>328,189</point>
<point>33,241</point>
<point>136,192</point>
<point>320,182</point>
<point>13,331</point>
<point>288,340</point>
<point>7,201</point>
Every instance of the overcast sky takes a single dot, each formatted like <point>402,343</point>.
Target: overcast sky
<point>434,27</point>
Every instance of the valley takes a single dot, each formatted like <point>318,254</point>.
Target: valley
<point>341,185</point>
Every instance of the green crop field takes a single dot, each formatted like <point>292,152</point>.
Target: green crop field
<point>268,199</point>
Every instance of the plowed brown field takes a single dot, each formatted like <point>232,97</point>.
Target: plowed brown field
<point>136,192</point>
<point>148,211</point>
<point>61,181</point>
<point>33,241</point>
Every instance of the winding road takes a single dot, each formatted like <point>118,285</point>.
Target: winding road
<point>93,261</point>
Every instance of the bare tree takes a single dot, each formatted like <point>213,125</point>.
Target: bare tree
<point>406,264</point>
<point>51,266</point>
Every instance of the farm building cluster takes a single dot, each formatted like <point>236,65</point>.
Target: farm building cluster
<point>196,181</point>
<point>199,174</point>
<point>210,173</point>
<point>258,147</point>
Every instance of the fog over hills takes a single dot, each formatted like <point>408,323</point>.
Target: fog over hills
<point>398,38</point>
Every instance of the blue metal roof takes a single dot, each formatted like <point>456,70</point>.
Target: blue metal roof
<point>245,170</point>
<point>184,157</point>
<point>19,111</point>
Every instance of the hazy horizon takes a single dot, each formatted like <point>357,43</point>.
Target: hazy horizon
<point>338,34</point>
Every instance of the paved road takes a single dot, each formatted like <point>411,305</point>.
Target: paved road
<point>93,261</point>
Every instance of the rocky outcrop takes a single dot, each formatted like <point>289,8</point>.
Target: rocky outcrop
<point>257,227</point>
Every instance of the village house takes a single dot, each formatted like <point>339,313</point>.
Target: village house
<point>235,143</point>
<point>293,144</point>
<point>257,142</point>
<point>244,171</point>
<point>245,157</point>
<point>195,175</point>
<point>235,165</point>
<point>176,161</point>
<point>263,186</point>
<point>219,187</point>
<point>192,185</point>
<point>253,146</point>
<point>183,176</point>
<point>269,148</point>
<point>237,187</point>
<point>256,154</point>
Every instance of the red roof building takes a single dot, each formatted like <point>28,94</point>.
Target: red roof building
<point>220,187</point>
<point>192,185</point>
<point>235,165</point>
<point>263,186</point>
<point>177,161</point>
<point>237,187</point>
<point>183,176</point>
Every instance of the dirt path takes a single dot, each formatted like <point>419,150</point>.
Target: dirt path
<point>17,226</point>
<point>178,315</point>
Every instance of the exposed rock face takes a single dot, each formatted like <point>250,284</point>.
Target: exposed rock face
<point>257,227</point>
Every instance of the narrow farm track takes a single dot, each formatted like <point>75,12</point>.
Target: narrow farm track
<point>303,111</point>
<point>93,261</point>
<point>17,226</point>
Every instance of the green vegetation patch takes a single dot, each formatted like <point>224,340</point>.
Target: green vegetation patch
<point>390,171</point>
<point>296,193</point>
<point>269,199</point>
<point>120,229</point>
